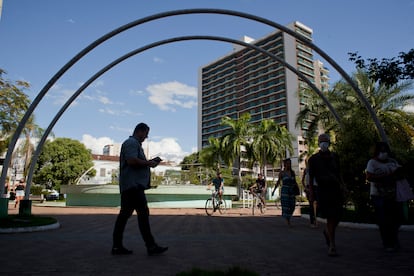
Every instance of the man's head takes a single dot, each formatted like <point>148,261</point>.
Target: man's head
<point>260,176</point>
<point>324,141</point>
<point>141,131</point>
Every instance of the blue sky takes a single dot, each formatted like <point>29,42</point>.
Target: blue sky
<point>159,86</point>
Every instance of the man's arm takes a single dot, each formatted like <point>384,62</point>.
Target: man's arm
<point>137,162</point>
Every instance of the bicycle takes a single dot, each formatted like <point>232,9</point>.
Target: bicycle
<point>257,203</point>
<point>214,203</point>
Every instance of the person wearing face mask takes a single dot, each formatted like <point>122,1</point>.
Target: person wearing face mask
<point>324,169</point>
<point>381,172</point>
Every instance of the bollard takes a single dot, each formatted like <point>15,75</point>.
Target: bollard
<point>25,207</point>
<point>4,207</point>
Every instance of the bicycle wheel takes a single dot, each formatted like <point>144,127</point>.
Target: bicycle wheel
<point>222,207</point>
<point>209,207</point>
<point>261,206</point>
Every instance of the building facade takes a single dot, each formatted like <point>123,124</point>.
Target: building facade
<point>247,81</point>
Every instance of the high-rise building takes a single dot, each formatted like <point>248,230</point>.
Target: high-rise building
<point>247,80</point>
<point>112,150</point>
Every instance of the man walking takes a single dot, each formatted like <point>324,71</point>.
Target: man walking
<point>134,179</point>
<point>324,168</point>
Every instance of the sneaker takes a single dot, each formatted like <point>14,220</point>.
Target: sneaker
<point>156,250</point>
<point>120,251</point>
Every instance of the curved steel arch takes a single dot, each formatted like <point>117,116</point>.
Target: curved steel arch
<point>39,147</point>
<point>107,36</point>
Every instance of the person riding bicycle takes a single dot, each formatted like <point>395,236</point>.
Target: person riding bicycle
<point>218,183</point>
<point>259,188</point>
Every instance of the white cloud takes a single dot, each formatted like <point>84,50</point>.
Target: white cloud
<point>96,145</point>
<point>167,148</point>
<point>158,60</point>
<point>409,108</point>
<point>169,95</point>
<point>104,100</point>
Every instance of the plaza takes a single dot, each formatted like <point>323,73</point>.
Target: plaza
<point>262,243</point>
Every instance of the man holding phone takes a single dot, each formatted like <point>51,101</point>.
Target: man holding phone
<point>134,179</point>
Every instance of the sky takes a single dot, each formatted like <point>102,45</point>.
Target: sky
<point>159,86</point>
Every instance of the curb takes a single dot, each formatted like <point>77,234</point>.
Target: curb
<point>29,229</point>
<point>361,225</point>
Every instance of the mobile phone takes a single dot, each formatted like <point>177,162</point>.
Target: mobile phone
<point>157,159</point>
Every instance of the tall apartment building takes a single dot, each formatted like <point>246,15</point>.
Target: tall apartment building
<point>248,81</point>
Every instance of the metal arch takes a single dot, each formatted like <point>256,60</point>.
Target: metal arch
<point>144,48</point>
<point>107,36</point>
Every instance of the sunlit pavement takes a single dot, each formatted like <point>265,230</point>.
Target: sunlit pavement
<point>260,243</point>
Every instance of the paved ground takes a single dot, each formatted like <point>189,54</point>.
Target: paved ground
<point>263,244</point>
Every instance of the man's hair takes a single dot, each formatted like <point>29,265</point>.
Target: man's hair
<point>141,127</point>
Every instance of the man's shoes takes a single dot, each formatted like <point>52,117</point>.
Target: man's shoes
<point>120,251</point>
<point>332,252</point>
<point>156,250</point>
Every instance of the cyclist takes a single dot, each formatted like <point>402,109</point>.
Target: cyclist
<point>259,188</point>
<point>218,183</point>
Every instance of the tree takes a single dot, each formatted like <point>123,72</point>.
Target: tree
<point>237,135</point>
<point>387,71</point>
<point>13,105</point>
<point>190,168</point>
<point>211,156</point>
<point>61,162</point>
<point>269,144</point>
<point>357,132</point>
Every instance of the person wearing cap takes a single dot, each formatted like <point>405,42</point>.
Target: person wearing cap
<point>325,170</point>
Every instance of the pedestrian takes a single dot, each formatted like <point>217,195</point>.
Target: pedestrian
<point>324,168</point>
<point>382,171</point>
<point>312,201</point>
<point>287,196</point>
<point>134,179</point>
<point>19,192</point>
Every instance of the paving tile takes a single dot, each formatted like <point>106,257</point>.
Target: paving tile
<point>261,243</point>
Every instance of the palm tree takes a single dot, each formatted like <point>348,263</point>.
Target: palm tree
<point>210,156</point>
<point>236,136</point>
<point>388,103</point>
<point>269,143</point>
<point>357,131</point>
<point>30,131</point>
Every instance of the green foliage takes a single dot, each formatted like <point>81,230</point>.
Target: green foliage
<point>15,221</point>
<point>387,71</point>
<point>233,271</point>
<point>13,105</point>
<point>36,189</point>
<point>357,133</point>
<point>62,161</point>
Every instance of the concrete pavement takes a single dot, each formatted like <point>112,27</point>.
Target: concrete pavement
<point>261,243</point>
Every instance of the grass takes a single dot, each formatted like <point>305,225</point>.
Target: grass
<point>16,221</point>
<point>233,271</point>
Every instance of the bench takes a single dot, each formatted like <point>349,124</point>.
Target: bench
<point>37,198</point>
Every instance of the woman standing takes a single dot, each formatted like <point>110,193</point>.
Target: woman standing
<point>19,192</point>
<point>288,196</point>
<point>382,172</point>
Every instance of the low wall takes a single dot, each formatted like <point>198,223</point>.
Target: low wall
<point>164,196</point>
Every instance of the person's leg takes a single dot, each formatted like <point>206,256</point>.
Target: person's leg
<point>142,209</point>
<point>144,226</point>
<point>121,221</point>
<point>331,225</point>
<point>380,218</point>
<point>312,215</point>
